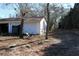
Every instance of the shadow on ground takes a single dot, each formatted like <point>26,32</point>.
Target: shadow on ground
<point>68,47</point>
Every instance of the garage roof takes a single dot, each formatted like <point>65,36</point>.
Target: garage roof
<point>19,19</point>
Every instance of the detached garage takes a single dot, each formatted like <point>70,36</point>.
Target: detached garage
<point>32,25</point>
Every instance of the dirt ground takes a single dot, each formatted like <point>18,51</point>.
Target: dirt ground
<point>69,45</point>
<point>60,43</point>
<point>13,46</point>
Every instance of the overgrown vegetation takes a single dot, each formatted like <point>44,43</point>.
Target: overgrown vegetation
<point>71,20</point>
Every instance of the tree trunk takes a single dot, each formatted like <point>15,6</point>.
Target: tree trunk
<point>21,28</point>
<point>47,17</point>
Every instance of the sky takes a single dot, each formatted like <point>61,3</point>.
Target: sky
<point>6,11</point>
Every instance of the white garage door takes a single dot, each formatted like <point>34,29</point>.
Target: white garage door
<point>32,28</point>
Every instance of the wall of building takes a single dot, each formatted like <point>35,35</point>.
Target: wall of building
<point>32,28</point>
<point>43,25</point>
